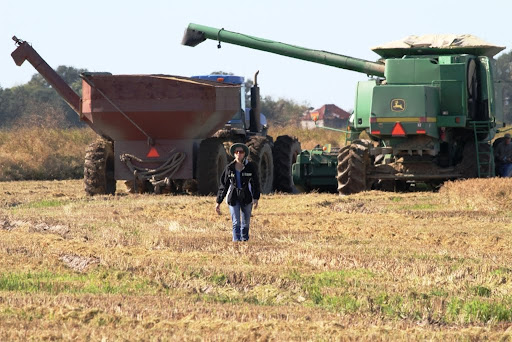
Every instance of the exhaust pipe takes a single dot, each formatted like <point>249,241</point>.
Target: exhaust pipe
<point>254,114</point>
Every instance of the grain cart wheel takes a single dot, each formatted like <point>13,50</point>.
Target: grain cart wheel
<point>261,154</point>
<point>285,152</point>
<point>211,163</point>
<point>353,162</point>
<point>99,168</point>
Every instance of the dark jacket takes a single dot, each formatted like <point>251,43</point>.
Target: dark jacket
<point>250,184</point>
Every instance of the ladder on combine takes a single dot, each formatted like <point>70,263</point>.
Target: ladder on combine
<point>484,151</point>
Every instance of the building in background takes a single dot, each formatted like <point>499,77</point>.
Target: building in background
<point>328,115</point>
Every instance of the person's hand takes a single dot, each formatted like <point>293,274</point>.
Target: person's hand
<point>217,208</point>
<point>255,204</point>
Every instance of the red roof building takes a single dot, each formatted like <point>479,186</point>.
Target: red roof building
<point>328,115</point>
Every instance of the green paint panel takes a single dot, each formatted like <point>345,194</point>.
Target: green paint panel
<point>363,107</point>
<point>315,169</point>
<point>451,121</point>
<point>415,107</point>
<point>405,101</point>
<point>411,71</point>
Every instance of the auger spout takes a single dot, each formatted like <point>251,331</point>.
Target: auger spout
<point>196,34</point>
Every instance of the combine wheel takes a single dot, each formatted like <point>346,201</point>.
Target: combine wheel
<point>353,162</point>
<point>211,163</point>
<point>261,154</point>
<point>285,152</point>
<point>99,168</point>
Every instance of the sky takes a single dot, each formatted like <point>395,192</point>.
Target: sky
<point>144,37</point>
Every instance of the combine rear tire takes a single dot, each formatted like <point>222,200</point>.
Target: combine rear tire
<point>353,162</point>
<point>261,154</point>
<point>211,163</point>
<point>285,152</point>
<point>99,168</point>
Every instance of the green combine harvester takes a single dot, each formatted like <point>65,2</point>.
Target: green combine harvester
<point>429,112</point>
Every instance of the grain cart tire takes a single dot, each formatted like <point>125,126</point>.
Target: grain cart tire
<point>353,162</point>
<point>261,154</point>
<point>99,168</point>
<point>285,152</point>
<point>211,163</point>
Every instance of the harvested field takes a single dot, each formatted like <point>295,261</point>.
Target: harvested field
<point>371,266</point>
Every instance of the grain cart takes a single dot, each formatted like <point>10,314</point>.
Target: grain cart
<point>157,131</point>
<point>429,111</point>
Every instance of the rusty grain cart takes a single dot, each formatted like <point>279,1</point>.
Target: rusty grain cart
<point>156,130</point>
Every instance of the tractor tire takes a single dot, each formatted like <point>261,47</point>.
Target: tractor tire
<point>211,163</point>
<point>353,162</point>
<point>261,154</point>
<point>285,152</point>
<point>99,168</point>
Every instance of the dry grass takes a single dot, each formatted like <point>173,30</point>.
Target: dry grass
<point>309,138</point>
<point>37,150</point>
<point>32,152</point>
<point>385,266</point>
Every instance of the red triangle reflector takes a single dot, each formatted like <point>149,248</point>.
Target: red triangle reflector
<point>153,153</point>
<point>398,130</point>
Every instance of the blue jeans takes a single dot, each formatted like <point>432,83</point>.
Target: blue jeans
<point>240,226</point>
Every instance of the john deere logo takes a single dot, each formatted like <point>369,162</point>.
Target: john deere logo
<point>397,105</point>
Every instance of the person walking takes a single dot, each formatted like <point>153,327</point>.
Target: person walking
<point>239,183</point>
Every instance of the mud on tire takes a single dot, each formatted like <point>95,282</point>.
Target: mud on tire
<point>261,154</point>
<point>99,168</point>
<point>285,152</point>
<point>353,162</point>
<point>211,163</point>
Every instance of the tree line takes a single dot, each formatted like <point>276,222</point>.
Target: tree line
<point>36,102</point>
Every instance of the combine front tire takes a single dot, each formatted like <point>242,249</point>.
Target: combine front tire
<point>99,168</point>
<point>211,163</point>
<point>261,154</point>
<point>285,152</point>
<point>353,162</point>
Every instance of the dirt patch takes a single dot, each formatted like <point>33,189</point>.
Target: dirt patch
<point>9,225</point>
<point>47,228</point>
<point>357,207</point>
<point>41,227</point>
<point>78,263</point>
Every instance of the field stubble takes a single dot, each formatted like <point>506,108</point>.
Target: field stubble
<point>375,265</point>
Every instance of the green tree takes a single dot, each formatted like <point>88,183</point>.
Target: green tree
<point>36,101</point>
<point>282,111</point>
